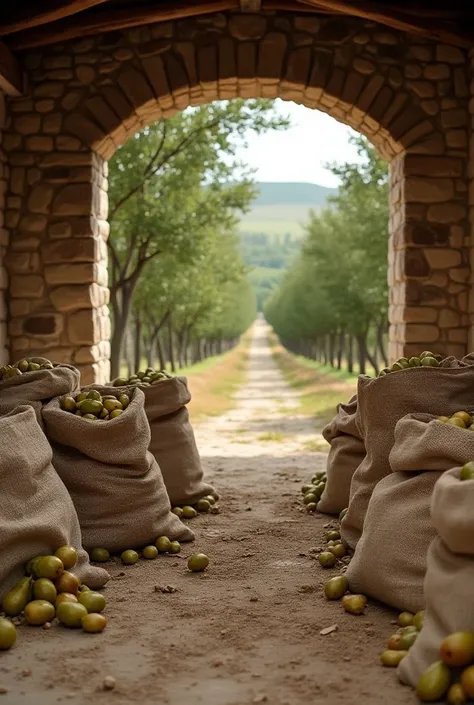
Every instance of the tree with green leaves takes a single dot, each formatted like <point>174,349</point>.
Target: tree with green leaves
<point>337,292</point>
<point>172,185</point>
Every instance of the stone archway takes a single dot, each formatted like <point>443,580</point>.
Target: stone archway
<point>408,95</point>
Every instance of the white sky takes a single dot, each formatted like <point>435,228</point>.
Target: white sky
<point>301,152</point>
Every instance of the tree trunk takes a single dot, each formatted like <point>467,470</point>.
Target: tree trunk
<point>362,352</point>
<point>161,355</point>
<point>121,315</point>
<point>151,353</point>
<point>340,349</point>
<point>350,354</point>
<point>331,349</point>
<point>381,330</point>
<point>138,342</point>
<point>171,346</point>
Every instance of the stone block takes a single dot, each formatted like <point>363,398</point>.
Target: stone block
<point>446,213</point>
<point>79,273</point>
<point>39,143</point>
<point>39,200</point>
<point>427,190</point>
<point>247,27</point>
<point>27,124</point>
<point>26,286</point>
<point>71,250</point>
<point>83,327</point>
<point>73,297</point>
<point>442,258</point>
<point>74,200</point>
<point>421,333</point>
<point>448,319</point>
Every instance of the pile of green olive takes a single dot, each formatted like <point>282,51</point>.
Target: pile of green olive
<point>163,545</point>
<point>143,378</point>
<point>28,364</point>
<point>48,591</point>
<point>93,406</point>
<point>426,359</point>
<point>313,490</point>
<point>461,419</point>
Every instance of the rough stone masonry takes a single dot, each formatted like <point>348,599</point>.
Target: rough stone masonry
<point>413,98</point>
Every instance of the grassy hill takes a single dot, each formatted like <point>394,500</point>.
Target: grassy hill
<point>271,232</point>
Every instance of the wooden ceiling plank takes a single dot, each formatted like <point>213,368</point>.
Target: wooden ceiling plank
<point>390,16</point>
<point>294,6</point>
<point>250,5</point>
<point>11,77</point>
<point>87,24</point>
<point>46,12</point>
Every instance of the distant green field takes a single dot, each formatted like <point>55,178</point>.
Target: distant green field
<point>272,227</point>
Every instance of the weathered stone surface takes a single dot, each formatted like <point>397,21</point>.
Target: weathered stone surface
<point>40,197</point>
<point>83,327</point>
<point>70,250</point>
<point>27,286</point>
<point>246,27</point>
<point>446,213</point>
<point>415,333</point>
<point>71,298</point>
<point>448,319</point>
<point>27,124</point>
<point>79,273</point>
<point>428,190</point>
<point>73,200</point>
<point>442,258</point>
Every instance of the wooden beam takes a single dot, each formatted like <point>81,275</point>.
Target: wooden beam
<point>45,12</point>
<point>250,5</point>
<point>390,16</point>
<point>294,6</point>
<point>101,21</point>
<point>11,77</point>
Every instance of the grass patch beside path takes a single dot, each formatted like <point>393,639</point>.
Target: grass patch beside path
<point>321,388</point>
<point>214,381</point>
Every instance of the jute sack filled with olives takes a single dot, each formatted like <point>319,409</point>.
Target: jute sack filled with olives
<point>35,382</point>
<point>172,440</point>
<point>114,481</point>
<point>389,563</point>
<point>449,580</point>
<point>382,402</point>
<point>346,454</point>
<point>37,515</point>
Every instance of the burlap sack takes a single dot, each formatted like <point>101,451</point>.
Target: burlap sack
<point>36,512</point>
<point>449,577</point>
<point>172,441</point>
<point>115,483</point>
<point>346,454</point>
<point>389,563</point>
<point>37,388</point>
<point>381,403</point>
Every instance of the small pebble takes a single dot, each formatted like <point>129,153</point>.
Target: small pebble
<point>3,691</point>
<point>109,683</point>
<point>26,672</point>
<point>260,698</point>
<point>47,625</point>
<point>253,599</point>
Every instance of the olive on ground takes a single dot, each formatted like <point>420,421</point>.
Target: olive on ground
<point>327,559</point>
<point>189,512</point>
<point>44,589</point>
<point>163,544</point>
<point>99,555</point>
<point>7,634</point>
<point>354,604</point>
<point>49,567</point>
<point>405,619</point>
<point>68,556</point>
<point>336,587</point>
<point>175,547</point>
<point>129,557</point>
<point>38,612</point>
<point>457,650</point>
<point>150,552</point>
<point>67,582</point>
<point>92,601</point>
<point>434,682</point>
<point>70,614</point>
<point>392,658</point>
<point>198,562</point>
<point>94,623</point>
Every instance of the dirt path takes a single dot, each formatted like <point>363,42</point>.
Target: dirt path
<point>246,631</point>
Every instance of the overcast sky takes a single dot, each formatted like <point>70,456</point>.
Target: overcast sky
<point>300,153</point>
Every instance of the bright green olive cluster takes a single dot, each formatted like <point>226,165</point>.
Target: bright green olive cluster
<point>95,407</point>
<point>144,378</point>
<point>31,364</point>
<point>426,359</point>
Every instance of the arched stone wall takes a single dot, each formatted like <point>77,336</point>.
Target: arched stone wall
<point>409,96</point>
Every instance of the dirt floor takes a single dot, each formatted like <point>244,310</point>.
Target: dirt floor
<point>248,629</point>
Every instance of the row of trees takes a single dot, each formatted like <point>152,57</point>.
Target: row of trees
<point>332,304</point>
<point>179,288</point>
